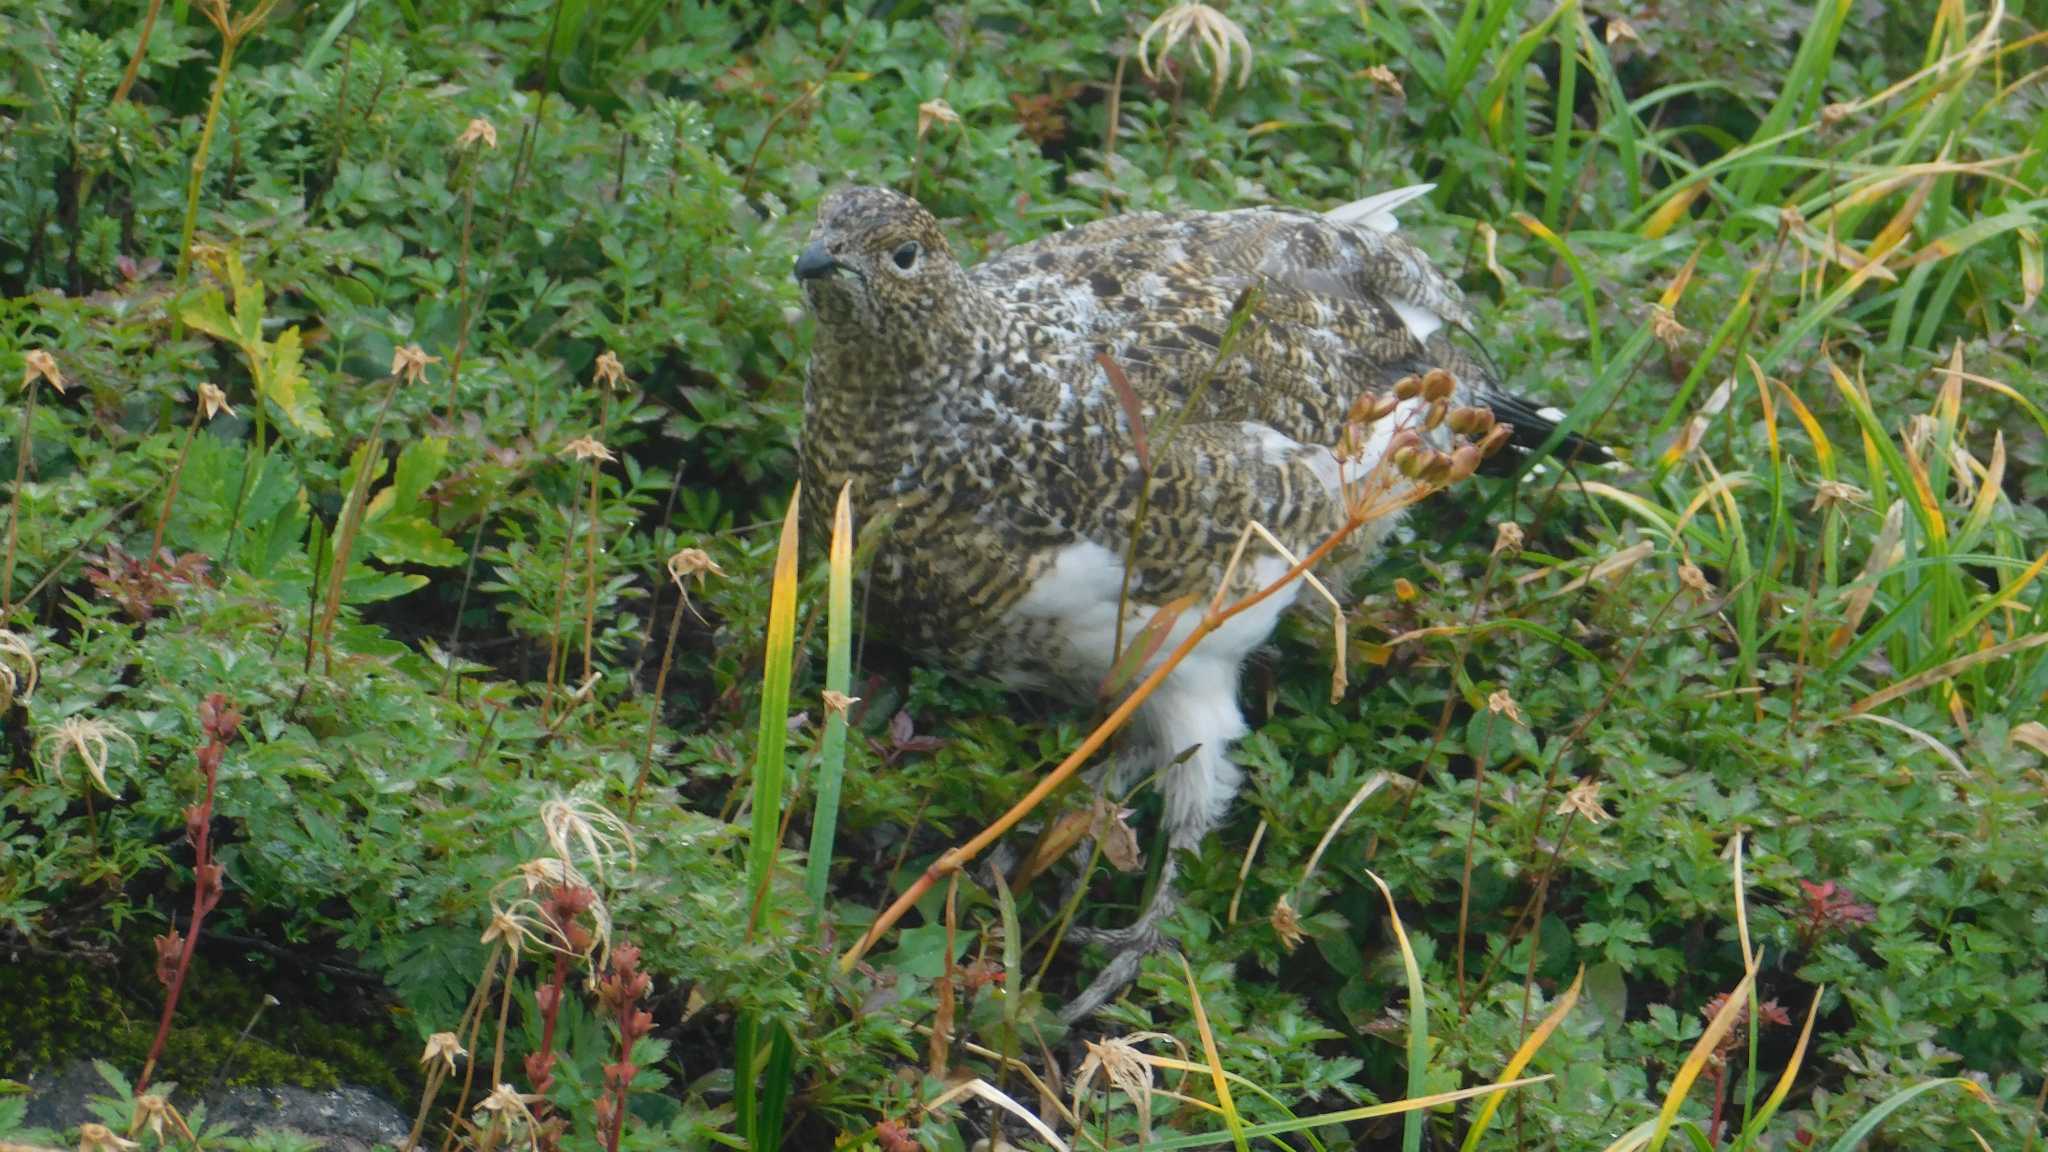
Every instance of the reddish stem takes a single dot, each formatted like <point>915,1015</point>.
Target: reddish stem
<point>220,723</point>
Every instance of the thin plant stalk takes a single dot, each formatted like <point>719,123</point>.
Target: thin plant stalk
<point>233,30</point>
<point>163,516</point>
<point>558,652</point>
<point>590,567</point>
<point>1471,837</point>
<point>351,523</point>
<point>134,68</point>
<point>668,655</point>
<point>198,176</point>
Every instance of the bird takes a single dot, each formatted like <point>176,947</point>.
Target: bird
<point>1009,418</point>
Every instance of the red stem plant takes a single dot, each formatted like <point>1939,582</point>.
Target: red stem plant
<point>618,995</point>
<point>564,907</point>
<point>220,721</point>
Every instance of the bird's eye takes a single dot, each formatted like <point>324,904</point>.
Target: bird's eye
<point>906,256</point>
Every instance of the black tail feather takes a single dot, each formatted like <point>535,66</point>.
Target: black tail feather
<point>1534,423</point>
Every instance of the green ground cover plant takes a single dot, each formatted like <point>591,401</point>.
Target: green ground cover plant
<point>403,608</point>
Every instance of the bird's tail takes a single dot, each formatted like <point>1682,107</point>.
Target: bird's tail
<point>1377,211</point>
<point>1535,425</point>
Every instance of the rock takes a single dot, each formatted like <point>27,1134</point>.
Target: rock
<point>345,1119</point>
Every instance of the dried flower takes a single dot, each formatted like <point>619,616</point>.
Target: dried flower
<point>1835,113</point>
<point>517,927</point>
<point>586,835</point>
<point>608,371</point>
<point>100,1138</point>
<point>213,402</point>
<point>1286,924</point>
<point>692,563</point>
<point>1619,30</point>
<point>90,741</point>
<point>1128,1071</point>
<point>1383,78</point>
<point>479,130</point>
<point>1665,326</point>
<point>1584,799</point>
<point>507,1106</point>
<point>1832,492</point>
<point>17,669</point>
<point>410,361</point>
<point>1690,576</point>
<point>1507,538</point>
<point>837,703</point>
<point>1503,704</point>
<point>38,362</point>
<point>1218,33</point>
<point>934,112</point>
<point>155,1112</point>
<point>1111,827</point>
<point>444,1047</point>
<point>587,448</point>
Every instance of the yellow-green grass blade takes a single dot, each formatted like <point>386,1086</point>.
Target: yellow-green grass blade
<point>1520,1060</point>
<point>839,680</point>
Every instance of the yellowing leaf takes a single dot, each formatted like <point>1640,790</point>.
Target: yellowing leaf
<point>1669,213</point>
<point>283,382</point>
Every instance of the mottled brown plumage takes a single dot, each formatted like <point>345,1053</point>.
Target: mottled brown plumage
<point>973,408</point>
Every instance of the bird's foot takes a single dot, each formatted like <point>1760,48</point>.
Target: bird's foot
<point>1129,947</point>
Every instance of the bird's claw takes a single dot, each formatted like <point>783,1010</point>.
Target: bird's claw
<point>1129,946</point>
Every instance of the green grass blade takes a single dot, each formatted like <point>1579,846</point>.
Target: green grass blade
<point>839,679</point>
<point>1861,1130</point>
<point>1418,1024</point>
<point>773,734</point>
<point>760,1100</point>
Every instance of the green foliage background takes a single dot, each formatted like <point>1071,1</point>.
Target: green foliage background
<point>650,180</point>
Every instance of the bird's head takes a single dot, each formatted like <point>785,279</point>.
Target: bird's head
<point>876,264</point>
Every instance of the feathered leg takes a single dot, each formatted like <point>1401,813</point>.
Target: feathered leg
<point>1196,707</point>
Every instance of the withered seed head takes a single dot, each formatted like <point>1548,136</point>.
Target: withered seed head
<point>1384,406</point>
<point>1438,409</point>
<point>1362,409</point>
<point>1408,387</point>
<point>1471,421</point>
<point>1438,471</point>
<point>1438,384</point>
<point>1464,462</point>
<point>1496,439</point>
<point>1408,460</point>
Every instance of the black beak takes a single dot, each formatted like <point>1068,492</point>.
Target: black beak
<point>814,262</point>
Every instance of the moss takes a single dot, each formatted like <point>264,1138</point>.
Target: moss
<point>60,1011</point>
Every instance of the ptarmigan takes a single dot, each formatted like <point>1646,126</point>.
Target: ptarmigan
<point>973,405</point>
